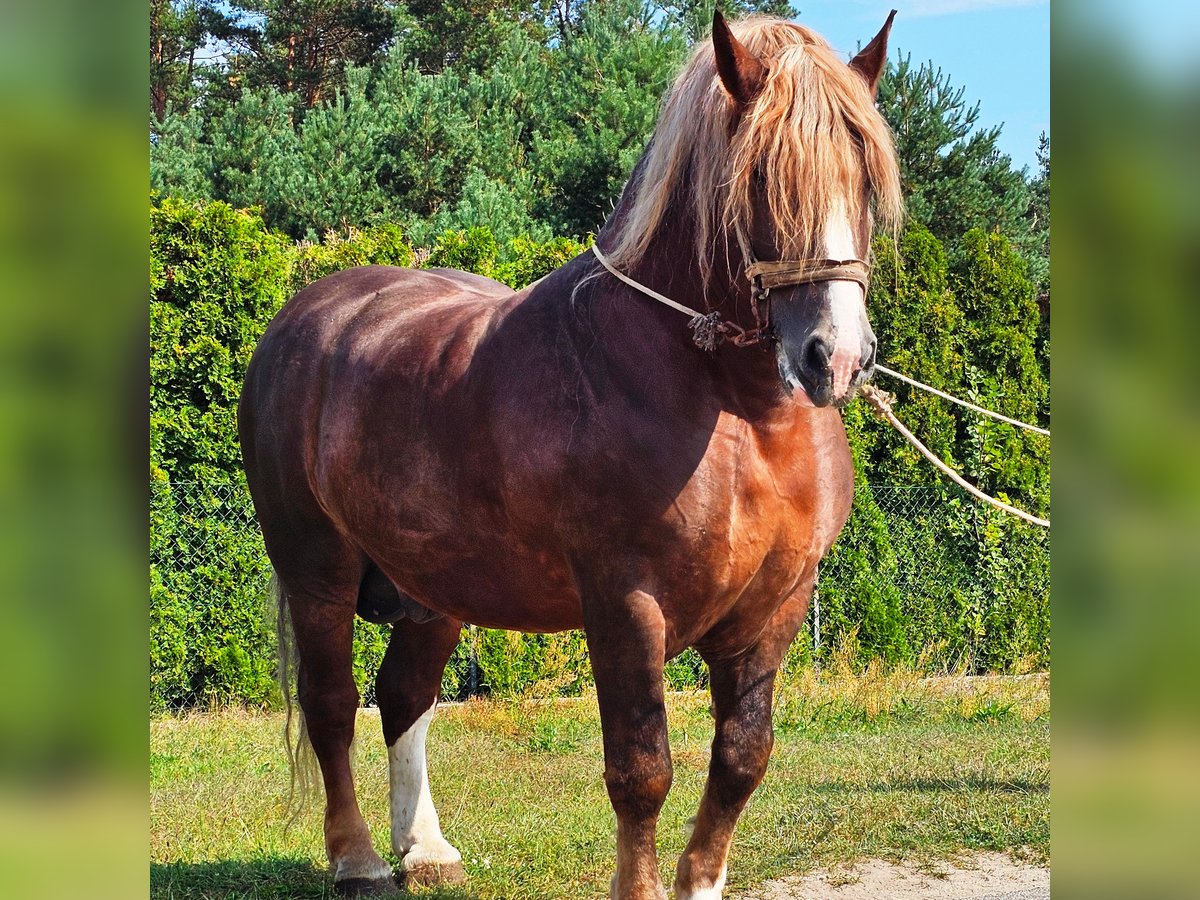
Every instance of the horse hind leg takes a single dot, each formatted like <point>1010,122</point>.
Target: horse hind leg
<point>407,690</point>
<point>322,614</point>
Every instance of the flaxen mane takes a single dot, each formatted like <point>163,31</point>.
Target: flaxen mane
<point>811,137</point>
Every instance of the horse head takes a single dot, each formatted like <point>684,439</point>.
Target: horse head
<point>771,147</point>
<point>816,301</point>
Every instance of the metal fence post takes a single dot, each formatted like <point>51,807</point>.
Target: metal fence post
<point>472,664</point>
<point>816,606</point>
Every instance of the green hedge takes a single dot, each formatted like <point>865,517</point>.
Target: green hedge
<point>945,573</point>
<point>950,576</point>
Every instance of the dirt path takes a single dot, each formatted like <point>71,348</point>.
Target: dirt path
<point>982,876</point>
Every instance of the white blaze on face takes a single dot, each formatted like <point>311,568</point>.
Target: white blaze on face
<point>847,305</point>
<point>416,832</point>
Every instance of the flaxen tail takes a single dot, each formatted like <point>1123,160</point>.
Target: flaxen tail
<point>302,761</point>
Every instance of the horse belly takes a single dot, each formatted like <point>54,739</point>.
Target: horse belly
<point>485,580</point>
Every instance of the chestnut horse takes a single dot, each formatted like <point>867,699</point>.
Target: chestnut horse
<point>431,448</point>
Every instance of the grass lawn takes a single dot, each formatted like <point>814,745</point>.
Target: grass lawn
<point>871,765</point>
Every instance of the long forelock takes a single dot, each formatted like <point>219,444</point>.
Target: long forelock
<point>811,138</point>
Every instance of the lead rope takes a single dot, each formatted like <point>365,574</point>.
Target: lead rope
<point>979,409</point>
<point>882,404</point>
<point>708,330</point>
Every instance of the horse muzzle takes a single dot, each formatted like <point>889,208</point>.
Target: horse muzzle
<point>823,361</point>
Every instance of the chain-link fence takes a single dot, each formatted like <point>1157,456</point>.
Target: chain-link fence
<point>917,569</point>
<point>928,569</point>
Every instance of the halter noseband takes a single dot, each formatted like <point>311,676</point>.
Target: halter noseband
<point>782,273</point>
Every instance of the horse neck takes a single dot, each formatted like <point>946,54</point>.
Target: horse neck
<point>746,377</point>
<point>670,265</point>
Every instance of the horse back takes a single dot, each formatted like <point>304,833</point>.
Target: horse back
<point>314,378</point>
<point>369,416</point>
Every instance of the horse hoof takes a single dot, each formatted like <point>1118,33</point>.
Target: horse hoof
<point>430,874</point>
<point>364,887</point>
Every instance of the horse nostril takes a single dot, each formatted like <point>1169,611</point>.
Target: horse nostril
<point>868,360</point>
<point>815,358</point>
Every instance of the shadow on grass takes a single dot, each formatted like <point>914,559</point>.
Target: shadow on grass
<point>934,785</point>
<point>268,878</point>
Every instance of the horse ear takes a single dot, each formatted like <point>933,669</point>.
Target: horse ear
<point>741,71</point>
<point>870,60</point>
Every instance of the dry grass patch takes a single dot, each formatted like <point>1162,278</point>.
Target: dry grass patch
<point>870,764</point>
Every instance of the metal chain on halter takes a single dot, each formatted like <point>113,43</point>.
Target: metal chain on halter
<point>759,294</point>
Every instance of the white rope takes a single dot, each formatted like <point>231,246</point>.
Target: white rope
<point>877,399</point>
<point>979,409</point>
<point>638,286</point>
<point>882,404</point>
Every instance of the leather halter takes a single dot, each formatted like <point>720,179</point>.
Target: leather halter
<point>709,329</point>
<point>783,273</point>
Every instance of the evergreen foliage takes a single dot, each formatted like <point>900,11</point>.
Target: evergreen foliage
<point>306,47</point>
<point>955,178</point>
<point>918,323</point>
<point>1039,223</point>
<point>217,275</point>
<point>604,96</point>
<point>526,118</point>
<point>1000,327</point>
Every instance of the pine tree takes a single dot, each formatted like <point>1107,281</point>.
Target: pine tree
<point>428,137</point>
<point>305,47</point>
<point>695,16</point>
<point>334,180</point>
<point>252,153</point>
<point>467,35</point>
<point>603,99</point>
<point>955,177</point>
<point>1039,223</point>
<point>179,30</point>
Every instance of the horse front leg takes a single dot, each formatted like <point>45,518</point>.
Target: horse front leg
<point>742,693</point>
<point>626,644</point>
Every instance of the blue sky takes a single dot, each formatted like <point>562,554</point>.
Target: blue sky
<point>998,50</point>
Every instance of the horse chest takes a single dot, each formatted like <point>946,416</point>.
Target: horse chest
<point>774,531</point>
<point>762,515</point>
<point>785,494</point>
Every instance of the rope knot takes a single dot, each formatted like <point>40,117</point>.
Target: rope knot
<point>881,401</point>
<point>707,331</point>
